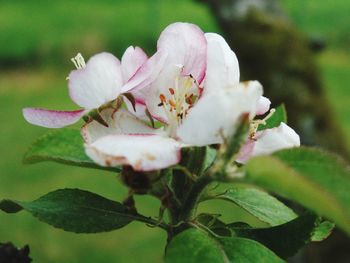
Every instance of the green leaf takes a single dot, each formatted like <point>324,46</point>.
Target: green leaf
<point>62,146</point>
<point>75,210</point>
<point>317,180</point>
<point>280,115</point>
<point>209,158</point>
<point>194,245</point>
<point>259,204</point>
<point>323,230</point>
<point>295,234</point>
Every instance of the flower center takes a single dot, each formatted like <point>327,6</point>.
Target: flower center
<point>178,100</point>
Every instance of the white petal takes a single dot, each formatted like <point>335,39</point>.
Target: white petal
<point>263,105</point>
<point>222,64</point>
<point>132,60</point>
<point>119,122</point>
<point>142,152</point>
<point>99,82</point>
<point>52,118</point>
<point>271,140</point>
<point>216,115</point>
<point>187,46</point>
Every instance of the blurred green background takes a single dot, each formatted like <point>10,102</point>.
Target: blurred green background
<point>37,40</point>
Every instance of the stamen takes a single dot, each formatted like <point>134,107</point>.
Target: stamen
<point>162,98</point>
<point>179,100</point>
<point>256,123</point>
<point>172,103</point>
<point>79,61</point>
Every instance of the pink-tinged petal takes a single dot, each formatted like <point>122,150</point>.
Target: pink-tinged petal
<point>98,83</point>
<point>263,105</point>
<point>119,122</point>
<point>52,118</point>
<point>216,115</point>
<point>132,60</point>
<point>142,152</point>
<point>271,140</point>
<point>222,64</point>
<point>246,151</point>
<point>147,73</point>
<point>186,46</point>
<point>268,141</point>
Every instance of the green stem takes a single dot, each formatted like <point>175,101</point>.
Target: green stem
<point>151,221</point>
<point>193,197</point>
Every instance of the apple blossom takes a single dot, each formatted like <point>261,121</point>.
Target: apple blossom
<point>98,82</point>
<point>196,96</point>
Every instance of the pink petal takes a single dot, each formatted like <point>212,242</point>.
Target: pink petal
<point>142,152</point>
<point>52,118</point>
<point>222,64</point>
<point>119,122</point>
<point>246,151</point>
<point>98,83</point>
<point>147,73</point>
<point>187,46</point>
<point>132,60</point>
<point>263,105</point>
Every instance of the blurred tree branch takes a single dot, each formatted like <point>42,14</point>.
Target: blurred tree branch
<point>271,50</point>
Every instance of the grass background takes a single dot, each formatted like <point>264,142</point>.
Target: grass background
<point>37,38</point>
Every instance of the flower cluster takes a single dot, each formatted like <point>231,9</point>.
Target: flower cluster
<point>141,111</point>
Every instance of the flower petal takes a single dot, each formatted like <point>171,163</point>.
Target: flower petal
<point>142,152</point>
<point>268,141</point>
<point>132,60</point>
<point>271,140</point>
<point>52,118</point>
<point>216,115</point>
<point>119,122</point>
<point>246,151</point>
<point>187,46</point>
<point>99,82</point>
<point>222,64</point>
<point>263,105</point>
<point>147,73</point>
